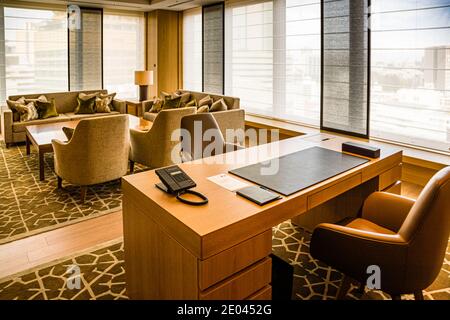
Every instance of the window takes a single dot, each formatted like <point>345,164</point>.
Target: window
<point>192,49</point>
<point>272,57</point>
<point>410,70</point>
<point>123,52</point>
<point>35,51</point>
<point>85,47</point>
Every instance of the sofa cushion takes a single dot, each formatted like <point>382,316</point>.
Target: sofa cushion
<point>74,116</point>
<point>156,106</point>
<point>41,98</point>
<point>65,101</point>
<point>103,103</point>
<point>85,106</point>
<point>20,126</point>
<point>171,103</point>
<point>203,109</point>
<point>150,116</point>
<point>46,109</point>
<point>27,112</point>
<point>205,101</point>
<point>12,104</point>
<point>218,105</point>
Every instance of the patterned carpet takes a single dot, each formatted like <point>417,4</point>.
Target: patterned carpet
<point>103,274</point>
<point>29,206</point>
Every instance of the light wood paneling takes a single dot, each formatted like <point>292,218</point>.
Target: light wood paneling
<point>230,261</point>
<point>163,54</point>
<point>173,274</point>
<point>389,177</point>
<point>243,284</point>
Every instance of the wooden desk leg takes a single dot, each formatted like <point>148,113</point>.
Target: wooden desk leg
<point>28,142</point>
<point>41,165</point>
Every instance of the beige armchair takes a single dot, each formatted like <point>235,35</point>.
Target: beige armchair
<point>406,239</point>
<point>96,153</point>
<point>157,147</point>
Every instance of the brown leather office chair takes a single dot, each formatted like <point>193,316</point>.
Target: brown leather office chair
<point>201,137</point>
<point>407,239</point>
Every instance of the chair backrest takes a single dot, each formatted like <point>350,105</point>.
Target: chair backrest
<point>103,145</point>
<point>426,229</point>
<point>164,137</point>
<point>201,136</point>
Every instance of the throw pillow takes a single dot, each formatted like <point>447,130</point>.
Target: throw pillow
<point>27,112</point>
<point>85,106</point>
<point>165,95</point>
<point>103,103</point>
<point>156,106</point>
<point>12,105</point>
<point>206,101</point>
<point>171,103</point>
<point>86,96</point>
<point>68,132</point>
<point>46,109</point>
<point>191,103</point>
<point>218,105</point>
<point>185,97</point>
<point>41,98</point>
<point>203,109</point>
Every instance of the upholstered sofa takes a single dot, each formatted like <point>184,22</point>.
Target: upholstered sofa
<point>14,131</point>
<point>233,118</point>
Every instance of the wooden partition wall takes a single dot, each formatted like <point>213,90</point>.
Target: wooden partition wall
<point>164,47</point>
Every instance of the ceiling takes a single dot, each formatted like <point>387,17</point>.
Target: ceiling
<point>136,5</point>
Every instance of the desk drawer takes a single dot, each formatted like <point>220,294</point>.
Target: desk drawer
<point>243,284</point>
<point>263,294</point>
<point>389,177</point>
<point>234,259</point>
<point>333,191</point>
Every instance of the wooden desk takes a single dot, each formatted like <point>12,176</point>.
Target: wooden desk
<point>221,250</point>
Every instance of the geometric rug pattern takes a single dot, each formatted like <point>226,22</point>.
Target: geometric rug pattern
<point>102,274</point>
<point>29,206</point>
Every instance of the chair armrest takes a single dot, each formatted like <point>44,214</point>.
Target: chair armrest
<point>387,209</point>
<point>7,120</point>
<point>119,105</point>
<point>352,251</point>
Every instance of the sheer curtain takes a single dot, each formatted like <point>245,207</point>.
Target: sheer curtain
<point>192,49</point>
<point>123,52</point>
<point>410,68</point>
<point>34,51</point>
<point>272,57</point>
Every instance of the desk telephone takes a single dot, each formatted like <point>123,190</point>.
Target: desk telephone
<point>175,181</point>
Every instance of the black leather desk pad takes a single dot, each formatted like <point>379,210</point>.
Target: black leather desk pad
<point>300,170</point>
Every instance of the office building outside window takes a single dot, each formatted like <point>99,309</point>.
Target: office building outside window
<point>410,69</point>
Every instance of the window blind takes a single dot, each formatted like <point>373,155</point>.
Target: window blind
<point>85,48</point>
<point>410,67</point>
<point>345,61</point>
<point>272,57</point>
<point>192,49</point>
<point>213,35</point>
<point>33,51</point>
<point>123,52</point>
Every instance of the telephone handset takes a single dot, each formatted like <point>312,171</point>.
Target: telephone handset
<point>177,182</point>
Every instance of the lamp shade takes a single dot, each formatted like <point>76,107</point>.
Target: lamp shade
<point>143,78</point>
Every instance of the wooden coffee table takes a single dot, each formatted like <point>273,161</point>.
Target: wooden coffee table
<point>41,136</point>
